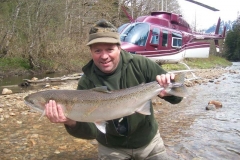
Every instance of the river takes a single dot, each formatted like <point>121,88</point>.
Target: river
<point>189,131</point>
<point>14,82</point>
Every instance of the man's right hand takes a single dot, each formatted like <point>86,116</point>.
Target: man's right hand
<point>55,114</point>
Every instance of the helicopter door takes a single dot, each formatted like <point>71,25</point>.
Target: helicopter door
<point>152,47</point>
<point>155,38</point>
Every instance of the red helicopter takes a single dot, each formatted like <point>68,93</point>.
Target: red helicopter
<point>166,37</point>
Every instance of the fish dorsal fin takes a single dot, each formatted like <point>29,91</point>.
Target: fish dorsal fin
<point>101,89</point>
<point>101,126</point>
<point>144,109</point>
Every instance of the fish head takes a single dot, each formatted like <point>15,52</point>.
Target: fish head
<point>35,102</point>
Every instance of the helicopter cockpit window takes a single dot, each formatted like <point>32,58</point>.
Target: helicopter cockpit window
<point>176,40</point>
<point>136,33</point>
<point>155,36</point>
<point>165,38</point>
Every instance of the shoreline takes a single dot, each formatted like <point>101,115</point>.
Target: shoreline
<point>19,123</point>
<point>197,77</point>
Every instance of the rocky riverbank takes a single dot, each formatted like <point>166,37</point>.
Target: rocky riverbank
<point>23,136</point>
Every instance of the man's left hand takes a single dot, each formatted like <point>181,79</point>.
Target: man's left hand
<point>164,80</point>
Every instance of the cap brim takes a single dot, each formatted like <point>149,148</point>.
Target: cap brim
<point>104,40</point>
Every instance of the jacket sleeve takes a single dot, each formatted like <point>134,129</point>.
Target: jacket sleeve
<point>83,130</point>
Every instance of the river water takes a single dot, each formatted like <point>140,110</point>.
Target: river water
<point>13,82</point>
<point>189,131</point>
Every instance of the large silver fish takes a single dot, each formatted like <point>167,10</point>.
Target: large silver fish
<point>99,105</point>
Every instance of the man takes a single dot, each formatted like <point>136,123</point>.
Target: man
<point>132,137</point>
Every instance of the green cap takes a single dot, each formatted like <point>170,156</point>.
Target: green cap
<point>103,32</point>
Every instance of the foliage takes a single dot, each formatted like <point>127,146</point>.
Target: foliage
<point>15,62</point>
<point>51,35</point>
<point>232,42</point>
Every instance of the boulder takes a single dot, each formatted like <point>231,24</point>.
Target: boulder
<point>6,91</point>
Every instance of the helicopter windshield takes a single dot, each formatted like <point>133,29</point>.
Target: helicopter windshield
<point>136,33</point>
<point>122,27</point>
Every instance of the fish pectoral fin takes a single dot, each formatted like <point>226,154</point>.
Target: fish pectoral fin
<point>43,114</point>
<point>145,109</point>
<point>101,126</point>
<point>101,89</point>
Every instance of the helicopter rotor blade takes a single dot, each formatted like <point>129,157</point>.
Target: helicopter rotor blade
<point>203,5</point>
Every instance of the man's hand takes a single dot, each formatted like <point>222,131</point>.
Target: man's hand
<point>164,80</point>
<point>55,114</point>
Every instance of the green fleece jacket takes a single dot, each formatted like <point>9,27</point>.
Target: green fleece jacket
<point>133,70</point>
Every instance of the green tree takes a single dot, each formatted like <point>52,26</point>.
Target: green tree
<point>52,35</point>
<point>232,42</point>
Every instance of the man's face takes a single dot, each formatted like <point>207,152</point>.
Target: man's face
<point>106,56</point>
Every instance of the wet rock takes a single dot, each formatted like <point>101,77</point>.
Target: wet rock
<point>6,116</point>
<point>233,71</point>
<point>218,82</point>
<point>57,152</point>
<point>32,142</point>
<point>217,104</point>
<point>34,78</point>
<point>47,85</point>
<point>213,105</point>
<point>24,84</point>
<point>62,147</point>
<point>55,87</point>
<point>1,118</point>
<point>12,114</point>
<point>19,122</point>
<point>6,91</point>
<point>210,107</point>
<point>34,136</point>
<point>94,142</point>
<point>19,98</point>
<point>211,80</point>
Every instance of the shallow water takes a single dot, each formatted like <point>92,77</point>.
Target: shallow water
<point>191,132</point>
<point>13,82</point>
<point>188,130</point>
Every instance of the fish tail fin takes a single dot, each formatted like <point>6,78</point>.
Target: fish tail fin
<point>43,114</point>
<point>179,78</point>
<point>178,88</point>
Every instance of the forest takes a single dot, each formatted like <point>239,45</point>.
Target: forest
<point>52,35</point>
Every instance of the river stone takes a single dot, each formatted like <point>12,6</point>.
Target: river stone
<point>6,91</point>
<point>210,107</point>
<point>217,104</point>
<point>34,79</point>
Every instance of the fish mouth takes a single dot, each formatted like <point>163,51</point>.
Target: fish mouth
<point>32,106</point>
